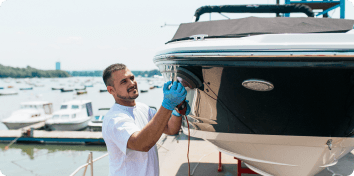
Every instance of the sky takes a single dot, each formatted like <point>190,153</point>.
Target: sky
<point>91,35</point>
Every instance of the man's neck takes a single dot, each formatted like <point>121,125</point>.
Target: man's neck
<point>126,102</point>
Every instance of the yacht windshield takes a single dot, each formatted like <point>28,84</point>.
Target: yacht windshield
<point>64,106</point>
<point>55,116</point>
<point>97,117</point>
<point>75,107</point>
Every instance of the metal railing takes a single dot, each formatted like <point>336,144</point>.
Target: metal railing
<point>90,162</point>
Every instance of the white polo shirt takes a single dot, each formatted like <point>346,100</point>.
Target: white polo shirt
<point>118,125</point>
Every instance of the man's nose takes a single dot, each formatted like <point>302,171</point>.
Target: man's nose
<point>132,82</point>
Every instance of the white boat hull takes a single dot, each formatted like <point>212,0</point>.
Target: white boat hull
<point>68,126</point>
<point>280,155</point>
<point>95,126</point>
<point>17,125</point>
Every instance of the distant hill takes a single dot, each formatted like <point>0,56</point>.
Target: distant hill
<point>98,73</point>
<point>29,72</point>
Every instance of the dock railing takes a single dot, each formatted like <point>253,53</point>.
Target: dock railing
<point>90,162</point>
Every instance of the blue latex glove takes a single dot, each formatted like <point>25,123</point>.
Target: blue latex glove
<point>175,113</point>
<point>173,96</point>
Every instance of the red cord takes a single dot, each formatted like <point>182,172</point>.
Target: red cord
<point>189,167</point>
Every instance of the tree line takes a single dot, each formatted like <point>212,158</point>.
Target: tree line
<point>98,73</point>
<point>29,72</point>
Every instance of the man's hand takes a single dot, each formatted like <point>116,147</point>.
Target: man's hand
<point>175,113</point>
<point>173,96</point>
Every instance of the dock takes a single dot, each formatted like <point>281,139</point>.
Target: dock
<point>40,136</point>
<point>29,134</point>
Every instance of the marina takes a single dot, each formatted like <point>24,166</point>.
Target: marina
<point>69,149</point>
<point>269,95</point>
<point>66,149</point>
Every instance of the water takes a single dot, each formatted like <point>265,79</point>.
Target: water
<point>49,159</point>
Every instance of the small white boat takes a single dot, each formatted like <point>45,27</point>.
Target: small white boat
<point>72,116</point>
<point>96,123</point>
<point>8,93</point>
<point>30,113</point>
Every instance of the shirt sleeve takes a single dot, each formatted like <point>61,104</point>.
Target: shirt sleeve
<point>122,128</point>
<point>152,113</point>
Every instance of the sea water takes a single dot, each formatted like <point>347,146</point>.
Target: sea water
<point>53,159</point>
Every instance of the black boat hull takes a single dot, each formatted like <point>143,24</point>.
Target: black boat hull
<point>305,101</point>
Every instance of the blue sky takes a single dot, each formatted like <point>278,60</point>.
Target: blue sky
<point>91,35</point>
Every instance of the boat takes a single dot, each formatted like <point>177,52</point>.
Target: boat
<point>103,90</point>
<point>96,123</point>
<point>80,92</point>
<point>66,90</point>
<point>276,93</point>
<point>8,93</point>
<point>26,88</point>
<point>73,116</point>
<point>29,113</point>
<point>80,88</point>
<point>57,87</point>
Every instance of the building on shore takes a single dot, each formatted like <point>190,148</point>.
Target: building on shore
<point>57,66</point>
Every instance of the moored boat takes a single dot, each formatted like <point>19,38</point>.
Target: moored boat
<point>28,114</point>
<point>274,92</point>
<point>80,88</point>
<point>8,93</point>
<point>26,88</point>
<point>72,116</point>
<point>57,88</point>
<point>96,123</point>
<point>81,92</point>
<point>103,90</point>
<point>66,90</point>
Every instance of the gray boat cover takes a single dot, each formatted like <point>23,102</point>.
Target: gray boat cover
<point>255,25</point>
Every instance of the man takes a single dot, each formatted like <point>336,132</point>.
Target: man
<point>131,129</point>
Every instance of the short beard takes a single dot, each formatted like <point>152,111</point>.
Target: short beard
<point>129,97</point>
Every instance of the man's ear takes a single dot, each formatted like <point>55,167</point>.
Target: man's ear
<point>111,90</point>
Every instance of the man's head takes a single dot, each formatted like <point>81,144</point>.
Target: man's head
<point>121,83</point>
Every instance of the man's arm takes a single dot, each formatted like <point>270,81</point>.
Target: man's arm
<point>173,125</point>
<point>145,139</point>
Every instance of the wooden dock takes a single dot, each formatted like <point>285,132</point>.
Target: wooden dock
<point>40,136</point>
<point>30,135</point>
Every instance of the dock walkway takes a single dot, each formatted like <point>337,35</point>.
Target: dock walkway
<point>41,136</point>
<point>30,134</point>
